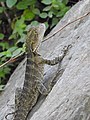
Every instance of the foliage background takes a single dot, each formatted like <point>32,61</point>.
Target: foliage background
<point>16,17</point>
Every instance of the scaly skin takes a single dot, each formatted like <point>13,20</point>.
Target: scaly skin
<point>28,96</point>
<point>34,72</point>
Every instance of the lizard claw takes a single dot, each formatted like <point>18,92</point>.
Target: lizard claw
<point>8,115</point>
<point>67,47</point>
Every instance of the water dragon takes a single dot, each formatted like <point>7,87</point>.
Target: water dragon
<point>28,96</point>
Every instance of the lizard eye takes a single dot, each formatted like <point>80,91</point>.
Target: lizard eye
<point>35,32</point>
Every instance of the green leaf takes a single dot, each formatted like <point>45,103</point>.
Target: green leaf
<point>2,53</point>
<point>43,15</point>
<point>11,3</point>
<point>1,9</point>
<point>47,8</point>
<point>54,22</point>
<point>25,3</point>
<point>2,88</point>
<point>19,26</point>
<point>61,6</point>
<point>12,49</point>
<point>8,53</point>
<point>24,48</point>
<point>17,52</point>
<point>55,6</point>
<point>2,74</point>
<point>0,21</point>
<point>2,0</point>
<point>13,36</point>
<point>50,14</point>
<point>36,11</point>
<point>5,53</point>
<point>46,24</point>
<point>28,14</point>
<point>65,2</point>
<point>47,2</point>
<point>3,59</point>
<point>6,70</point>
<point>62,12</point>
<point>4,45</point>
<point>21,6</point>
<point>34,23</point>
<point>22,39</point>
<point>1,36</point>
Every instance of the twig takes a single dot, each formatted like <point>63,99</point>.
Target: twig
<point>11,60</point>
<point>73,1</point>
<point>6,14</point>
<point>14,59</point>
<point>65,26</point>
<point>8,115</point>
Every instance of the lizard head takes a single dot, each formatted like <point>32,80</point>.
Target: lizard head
<point>35,36</point>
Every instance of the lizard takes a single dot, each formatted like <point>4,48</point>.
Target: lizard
<point>27,97</point>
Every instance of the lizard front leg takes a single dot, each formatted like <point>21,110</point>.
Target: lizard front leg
<point>57,60</point>
<point>46,89</point>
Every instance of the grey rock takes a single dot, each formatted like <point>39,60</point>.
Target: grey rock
<point>70,96</point>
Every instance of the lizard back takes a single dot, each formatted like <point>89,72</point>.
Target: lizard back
<point>33,76</point>
<point>33,83</point>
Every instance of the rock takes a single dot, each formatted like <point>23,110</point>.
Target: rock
<point>70,96</point>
